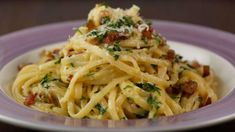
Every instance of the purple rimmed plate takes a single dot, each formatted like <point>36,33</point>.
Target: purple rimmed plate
<point>15,44</point>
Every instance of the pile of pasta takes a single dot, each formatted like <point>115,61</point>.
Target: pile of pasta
<point>116,66</point>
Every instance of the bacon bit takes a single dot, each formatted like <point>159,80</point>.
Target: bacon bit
<point>21,66</point>
<point>170,55</point>
<point>147,33</point>
<point>90,25</point>
<point>53,99</point>
<point>195,64</point>
<point>73,52</point>
<point>49,56</point>
<point>206,71</point>
<point>208,101</point>
<point>56,52</point>
<point>176,89</point>
<point>189,87</point>
<point>30,99</point>
<point>112,36</point>
<point>70,77</point>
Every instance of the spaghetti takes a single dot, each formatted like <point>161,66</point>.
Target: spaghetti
<point>114,67</point>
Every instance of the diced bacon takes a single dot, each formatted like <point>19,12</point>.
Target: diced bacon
<point>21,66</point>
<point>195,64</point>
<point>56,53</point>
<point>147,32</point>
<point>206,71</point>
<point>70,77</point>
<point>189,87</point>
<point>170,55</point>
<point>73,52</point>
<point>176,89</point>
<point>111,37</point>
<point>90,25</point>
<point>30,99</point>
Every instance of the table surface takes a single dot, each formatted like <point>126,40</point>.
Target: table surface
<point>16,15</point>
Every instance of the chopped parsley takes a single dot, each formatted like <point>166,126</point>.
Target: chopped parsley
<point>148,87</point>
<point>153,102</point>
<point>127,86</point>
<point>114,49</point>
<point>116,57</point>
<point>104,4</point>
<point>44,81</point>
<point>98,34</point>
<point>58,60</point>
<point>154,66</point>
<point>101,109</point>
<point>148,22</point>
<point>105,20</point>
<point>71,64</point>
<point>178,58</point>
<point>175,97</point>
<point>158,39</point>
<point>124,21</point>
<point>77,30</point>
<point>90,74</point>
<point>145,40</point>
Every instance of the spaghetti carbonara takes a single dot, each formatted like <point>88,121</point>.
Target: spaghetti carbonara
<point>116,66</point>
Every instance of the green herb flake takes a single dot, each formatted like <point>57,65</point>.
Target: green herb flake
<point>129,50</point>
<point>77,30</point>
<point>71,64</point>
<point>127,86</point>
<point>148,87</point>
<point>58,60</point>
<point>105,20</point>
<point>116,47</point>
<point>148,22</point>
<point>90,74</point>
<point>178,58</point>
<point>104,4</point>
<point>101,109</point>
<point>175,97</point>
<point>44,81</point>
<point>153,102</point>
<point>158,40</point>
<point>154,66</point>
<point>145,40</point>
<point>116,57</point>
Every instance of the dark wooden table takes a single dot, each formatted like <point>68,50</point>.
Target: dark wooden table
<point>20,14</point>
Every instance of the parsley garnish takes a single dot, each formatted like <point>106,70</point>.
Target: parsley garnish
<point>77,30</point>
<point>145,40</point>
<point>148,22</point>
<point>154,66</point>
<point>116,57</point>
<point>148,87</point>
<point>101,109</point>
<point>44,81</point>
<point>105,20</point>
<point>153,102</point>
<point>90,74</point>
<point>98,34</point>
<point>127,86</point>
<point>58,60</point>
<point>114,49</point>
<point>71,64</point>
<point>104,4</point>
<point>178,58</point>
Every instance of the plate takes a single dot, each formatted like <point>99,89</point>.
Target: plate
<point>195,42</point>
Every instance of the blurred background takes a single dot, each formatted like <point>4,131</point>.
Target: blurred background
<point>20,14</point>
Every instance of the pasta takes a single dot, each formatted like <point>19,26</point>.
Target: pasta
<point>114,67</point>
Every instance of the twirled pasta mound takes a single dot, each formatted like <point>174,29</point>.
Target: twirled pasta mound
<point>114,67</point>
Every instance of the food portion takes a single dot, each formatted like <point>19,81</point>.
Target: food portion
<point>116,66</point>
